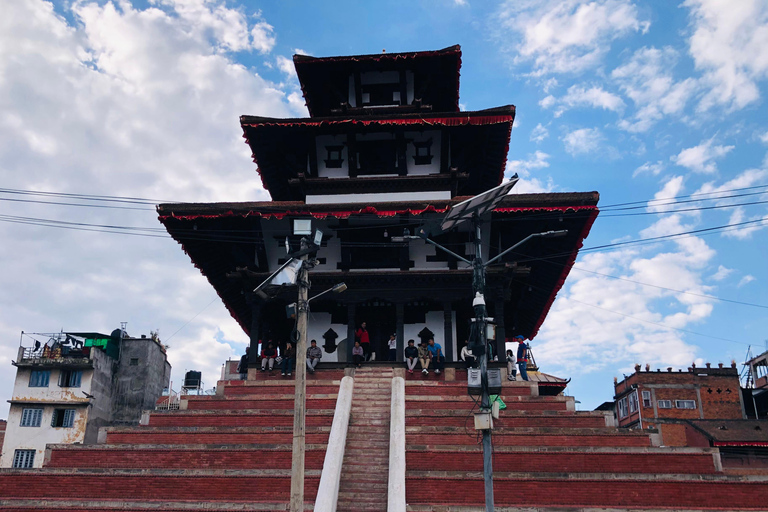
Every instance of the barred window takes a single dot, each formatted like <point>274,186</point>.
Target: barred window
<point>63,418</point>
<point>665,404</point>
<point>23,459</point>
<point>647,399</point>
<point>70,378</point>
<point>685,404</point>
<point>39,378</point>
<point>31,417</point>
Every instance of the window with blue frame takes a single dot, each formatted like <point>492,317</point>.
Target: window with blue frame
<point>31,417</point>
<point>70,378</point>
<point>39,378</point>
<point>63,418</point>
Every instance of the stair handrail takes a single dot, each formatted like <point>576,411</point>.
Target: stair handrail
<point>328,489</point>
<point>396,485</point>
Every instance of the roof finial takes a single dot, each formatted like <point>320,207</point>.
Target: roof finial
<point>383,50</point>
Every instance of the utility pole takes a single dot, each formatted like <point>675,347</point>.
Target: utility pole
<point>299,402</point>
<point>478,286</point>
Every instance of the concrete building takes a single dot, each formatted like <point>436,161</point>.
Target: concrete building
<point>68,385</point>
<point>755,391</point>
<point>665,399</point>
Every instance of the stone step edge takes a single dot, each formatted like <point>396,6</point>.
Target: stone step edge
<point>550,508</point>
<point>267,412</point>
<point>155,472</point>
<point>183,447</point>
<point>543,431</point>
<point>165,505</point>
<point>634,450</point>
<point>597,477</point>
<point>226,430</point>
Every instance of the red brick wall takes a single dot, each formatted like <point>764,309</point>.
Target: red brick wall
<point>673,434</point>
<point>151,487</point>
<point>564,462</point>
<point>590,493</point>
<point>182,459</point>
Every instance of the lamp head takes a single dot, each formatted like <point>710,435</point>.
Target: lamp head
<point>338,288</point>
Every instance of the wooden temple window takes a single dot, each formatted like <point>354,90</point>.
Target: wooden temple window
<point>423,154</point>
<point>380,94</point>
<point>334,158</point>
<point>377,157</point>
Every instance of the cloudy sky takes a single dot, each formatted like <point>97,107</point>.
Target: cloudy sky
<point>660,106</point>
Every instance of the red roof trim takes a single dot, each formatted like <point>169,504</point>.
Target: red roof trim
<point>345,214</point>
<point>566,267</point>
<point>474,119</point>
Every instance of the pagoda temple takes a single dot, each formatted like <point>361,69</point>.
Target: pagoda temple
<point>385,150</point>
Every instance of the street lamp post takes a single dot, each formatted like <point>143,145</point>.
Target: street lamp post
<point>478,337</point>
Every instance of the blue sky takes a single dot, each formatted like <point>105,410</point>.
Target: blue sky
<point>645,102</point>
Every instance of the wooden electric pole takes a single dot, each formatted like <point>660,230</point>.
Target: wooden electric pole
<point>299,403</point>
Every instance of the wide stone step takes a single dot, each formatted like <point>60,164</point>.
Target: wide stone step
<point>584,490</point>
<point>75,505</point>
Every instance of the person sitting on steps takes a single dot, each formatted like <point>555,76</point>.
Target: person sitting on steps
<point>314,354</point>
<point>411,356</point>
<point>424,357</point>
<point>438,359</point>
<point>268,355</point>
<point>289,359</point>
<point>511,368</point>
<point>357,354</point>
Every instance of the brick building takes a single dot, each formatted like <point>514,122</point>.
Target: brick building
<point>70,384</point>
<point>664,399</point>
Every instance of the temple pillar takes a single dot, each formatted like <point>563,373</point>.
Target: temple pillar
<point>253,353</point>
<point>350,331</point>
<point>400,330</point>
<point>498,316</point>
<point>448,331</point>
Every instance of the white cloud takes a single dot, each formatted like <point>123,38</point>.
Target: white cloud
<point>263,38</point>
<point>460,3</point>
<point>580,96</point>
<point>583,140</point>
<point>133,102</point>
<point>722,273</point>
<point>648,81</point>
<point>746,280</point>
<point>528,184</point>
<point>285,65</point>
<point>701,158</point>
<point>564,37</point>
<point>539,133</point>
<point>728,45</point>
<point>764,137</point>
<point>598,322</point>
<point>653,168</point>
<point>663,198</point>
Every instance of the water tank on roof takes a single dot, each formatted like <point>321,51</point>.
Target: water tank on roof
<point>192,379</point>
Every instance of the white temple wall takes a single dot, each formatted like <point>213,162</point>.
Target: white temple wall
<point>321,141</point>
<point>434,166</point>
<point>317,325</point>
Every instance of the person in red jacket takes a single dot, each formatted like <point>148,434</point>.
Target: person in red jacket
<point>365,341</point>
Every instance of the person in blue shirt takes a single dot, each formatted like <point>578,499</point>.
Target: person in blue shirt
<point>522,357</point>
<point>436,351</point>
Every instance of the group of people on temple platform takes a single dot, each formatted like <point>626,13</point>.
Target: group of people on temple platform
<point>286,360</point>
<point>521,360</point>
<point>427,354</point>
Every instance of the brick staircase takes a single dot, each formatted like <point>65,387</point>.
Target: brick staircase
<point>365,470</point>
<point>549,457</point>
<point>226,452</point>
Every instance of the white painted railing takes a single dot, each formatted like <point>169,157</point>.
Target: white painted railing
<point>396,487</point>
<point>328,490</point>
